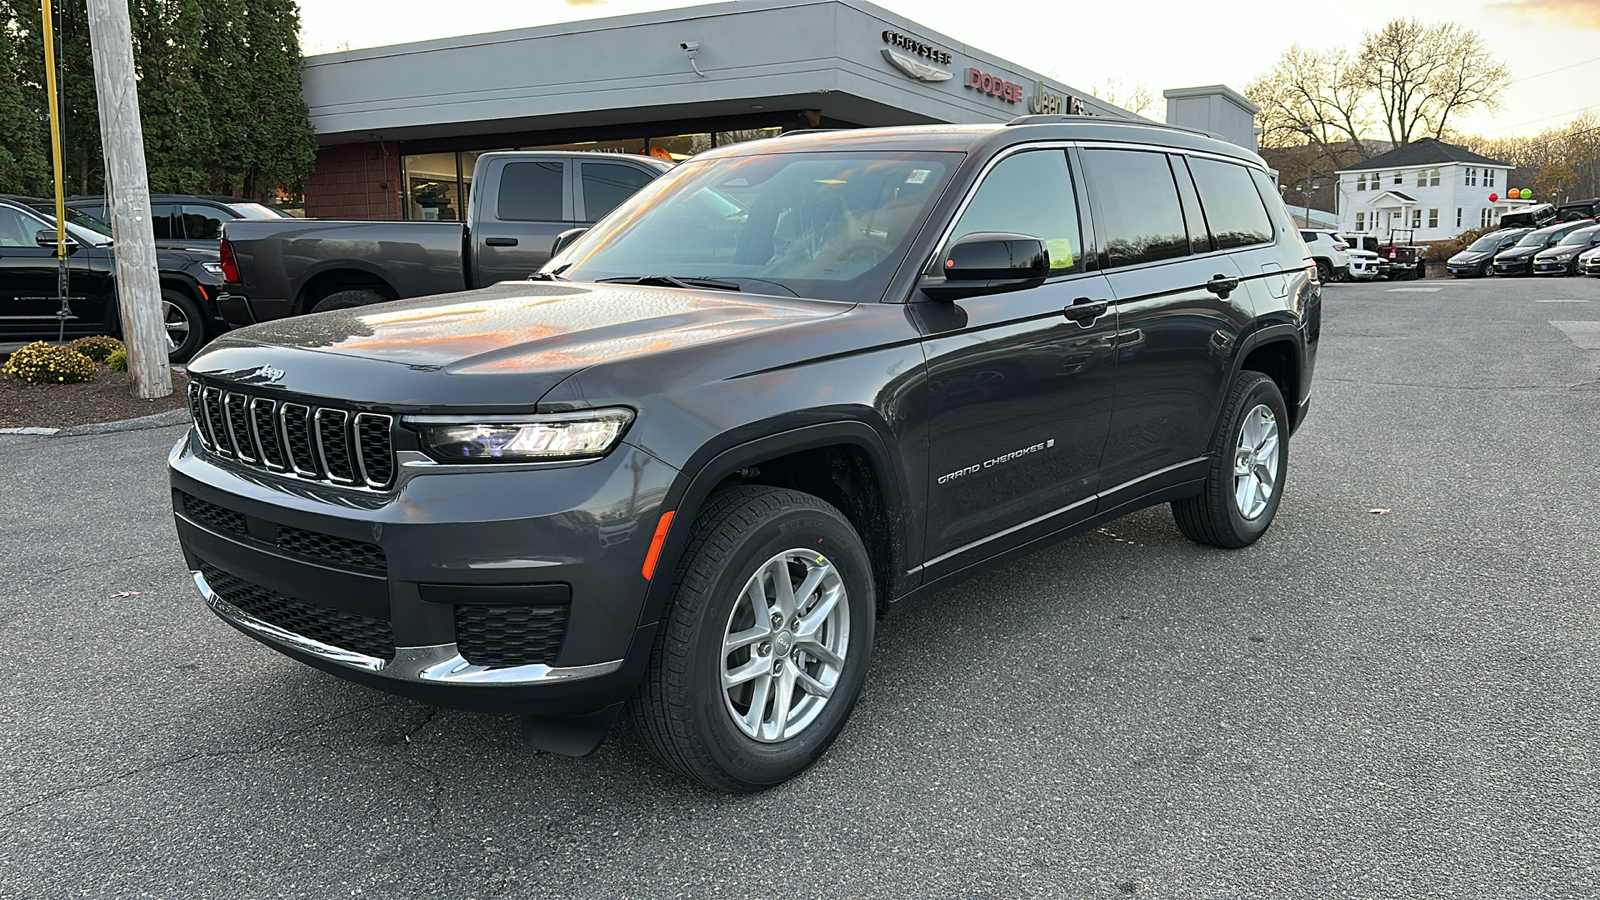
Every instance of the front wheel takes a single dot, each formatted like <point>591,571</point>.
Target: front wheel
<point>1486,269</point>
<point>1324,271</point>
<point>1248,462</point>
<point>764,648</point>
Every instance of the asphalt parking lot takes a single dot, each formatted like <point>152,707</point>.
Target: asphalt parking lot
<point>1398,704</point>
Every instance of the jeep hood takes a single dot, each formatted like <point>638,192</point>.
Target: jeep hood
<point>503,345</point>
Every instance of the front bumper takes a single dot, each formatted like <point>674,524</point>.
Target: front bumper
<point>1514,267</point>
<point>238,310</point>
<point>1551,266</point>
<point>433,591</point>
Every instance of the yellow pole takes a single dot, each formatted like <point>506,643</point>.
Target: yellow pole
<point>55,129</point>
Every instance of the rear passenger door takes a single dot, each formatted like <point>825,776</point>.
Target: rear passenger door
<point>1181,306</point>
<point>516,226</point>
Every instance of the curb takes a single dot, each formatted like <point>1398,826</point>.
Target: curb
<point>159,420</point>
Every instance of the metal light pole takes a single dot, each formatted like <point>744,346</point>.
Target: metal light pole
<point>128,189</point>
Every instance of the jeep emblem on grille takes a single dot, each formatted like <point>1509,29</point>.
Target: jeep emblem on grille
<point>270,374</point>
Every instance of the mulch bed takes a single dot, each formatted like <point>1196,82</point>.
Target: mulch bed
<point>105,399</point>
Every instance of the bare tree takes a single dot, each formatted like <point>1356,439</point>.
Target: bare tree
<point>1420,75</point>
<point>1311,97</point>
<point>1136,98</point>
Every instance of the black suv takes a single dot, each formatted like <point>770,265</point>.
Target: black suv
<point>181,221</point>
<point>784,387</point>
<point>30,293</point>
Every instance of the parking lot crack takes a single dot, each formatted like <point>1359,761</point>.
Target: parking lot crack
<point>438,779</point>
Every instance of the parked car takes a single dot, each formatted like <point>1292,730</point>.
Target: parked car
<point>1365,263</point>
<point>1403,261</point>
<point>520,202</point>
<point>1330,253</point>
<point>1478,258</point>
<point>1518,258</point>
<point>186,221</point>
<point>1589,262</point>
<point>30,295</point>
<point>1562,258</point>
<point>1573,210</point>
<point>766,400</point>
<point>1536,216</point>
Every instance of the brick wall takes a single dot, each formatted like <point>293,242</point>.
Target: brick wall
<point>355,181</point>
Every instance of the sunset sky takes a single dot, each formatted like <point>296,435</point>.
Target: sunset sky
<point>1551,46</point>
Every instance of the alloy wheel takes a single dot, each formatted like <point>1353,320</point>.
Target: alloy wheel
<point>1255,462</point>
<point>784,647</point>
<point>177,324</point>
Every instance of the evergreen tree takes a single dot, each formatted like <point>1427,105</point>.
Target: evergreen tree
<point>219,96</point>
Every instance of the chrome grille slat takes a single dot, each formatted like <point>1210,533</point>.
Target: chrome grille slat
<point>333,444</point>
<point>307,441</point>
<point>374,449</point>
<point>298,445</point>
<point>211,401</point>
<point>264,430</point>
<point>234,412</point>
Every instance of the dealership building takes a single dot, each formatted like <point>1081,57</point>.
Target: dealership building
<point>400,127</point>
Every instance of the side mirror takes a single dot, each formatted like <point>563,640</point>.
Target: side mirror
<point>565,239</point>
<point>989,263</point>
<point>46,237</point>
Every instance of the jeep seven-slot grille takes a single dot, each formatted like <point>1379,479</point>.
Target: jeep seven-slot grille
<point>317,443</point>
<point>501,636</point>
<point>348,631</point>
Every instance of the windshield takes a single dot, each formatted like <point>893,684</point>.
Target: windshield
<point>1534,239</point>
<point>1581,236</point>
<point>824,225</point>
<point>255,211</point>
<point>82,227</point>
<point>1487,242</point>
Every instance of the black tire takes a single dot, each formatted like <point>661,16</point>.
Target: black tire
<point>1486,269</point>
<point>180,310</point>
<point>681,712</point>
<point>348,300</point>
<point>1213,517</point>
<point>1324,271</point>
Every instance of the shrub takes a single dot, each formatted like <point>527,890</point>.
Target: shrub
<point>1439,251</point>
<point>118,360</point>
<point>97,347</point>
<point>43,363</point>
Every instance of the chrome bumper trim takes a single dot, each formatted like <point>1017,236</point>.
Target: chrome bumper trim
<point>436,664</point>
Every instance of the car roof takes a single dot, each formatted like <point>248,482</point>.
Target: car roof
<point>1566,226</point>
<point>211,198</point>
<point>976,138</point>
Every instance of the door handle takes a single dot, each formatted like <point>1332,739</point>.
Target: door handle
<point>1222,285</point>
<point>1085,311</point>
<point>500,242</point>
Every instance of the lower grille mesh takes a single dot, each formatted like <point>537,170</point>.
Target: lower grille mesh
<point>337,628</point>
<point>326,546</point>
<point>510,635</point>
<point>212,514</point>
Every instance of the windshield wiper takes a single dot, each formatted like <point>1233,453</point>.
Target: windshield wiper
<point>715,284</point>
<point>545,276</point>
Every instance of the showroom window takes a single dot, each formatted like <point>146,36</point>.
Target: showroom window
<point>433,187</point>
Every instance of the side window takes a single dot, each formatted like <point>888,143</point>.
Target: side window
<point>1030,193</point>
<point>200,223</point>
<point>1234,209</point>
<point>18,230</point>
<point>605,185</point>
<point>1137,201</point>
<point>160,221</point>
<point>531,192</point>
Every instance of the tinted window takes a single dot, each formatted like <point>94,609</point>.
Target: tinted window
<point>1030,193</point>
<point>202,223</point>
<point>1233,208</point>
<point>1138,203</point>
<point>531,191</point>
<point>607,184</point>
<point>18,230</point>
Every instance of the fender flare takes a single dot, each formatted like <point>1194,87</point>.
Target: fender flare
<point>709,468</point>
<point>1281,332</point>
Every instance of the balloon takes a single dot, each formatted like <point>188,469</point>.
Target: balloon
<point>1527,194</point>
<point>1493,197</point>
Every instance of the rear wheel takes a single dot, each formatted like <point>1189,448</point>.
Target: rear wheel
<point>763,650</point>
<point>1248,462</point>
<point>1324,271</point>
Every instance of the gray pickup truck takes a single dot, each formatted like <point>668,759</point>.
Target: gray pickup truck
<point>520,202</point>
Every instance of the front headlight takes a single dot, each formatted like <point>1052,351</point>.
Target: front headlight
<point>559,436</point>
<point>215,268</point>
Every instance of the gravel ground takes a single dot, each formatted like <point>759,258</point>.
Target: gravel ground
<point>1360,705</point>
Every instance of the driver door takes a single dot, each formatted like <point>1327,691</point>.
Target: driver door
<point>1020,385</point>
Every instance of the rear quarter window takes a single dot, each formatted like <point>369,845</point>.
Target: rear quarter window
<point>1233,208</point>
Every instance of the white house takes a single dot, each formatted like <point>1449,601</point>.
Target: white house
<point>1436,189</point>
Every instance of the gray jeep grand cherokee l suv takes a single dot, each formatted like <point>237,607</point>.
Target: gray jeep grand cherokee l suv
<point>784,387</point>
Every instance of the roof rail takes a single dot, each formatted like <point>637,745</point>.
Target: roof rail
<point>1068,120</point>
<point>811,131</point>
